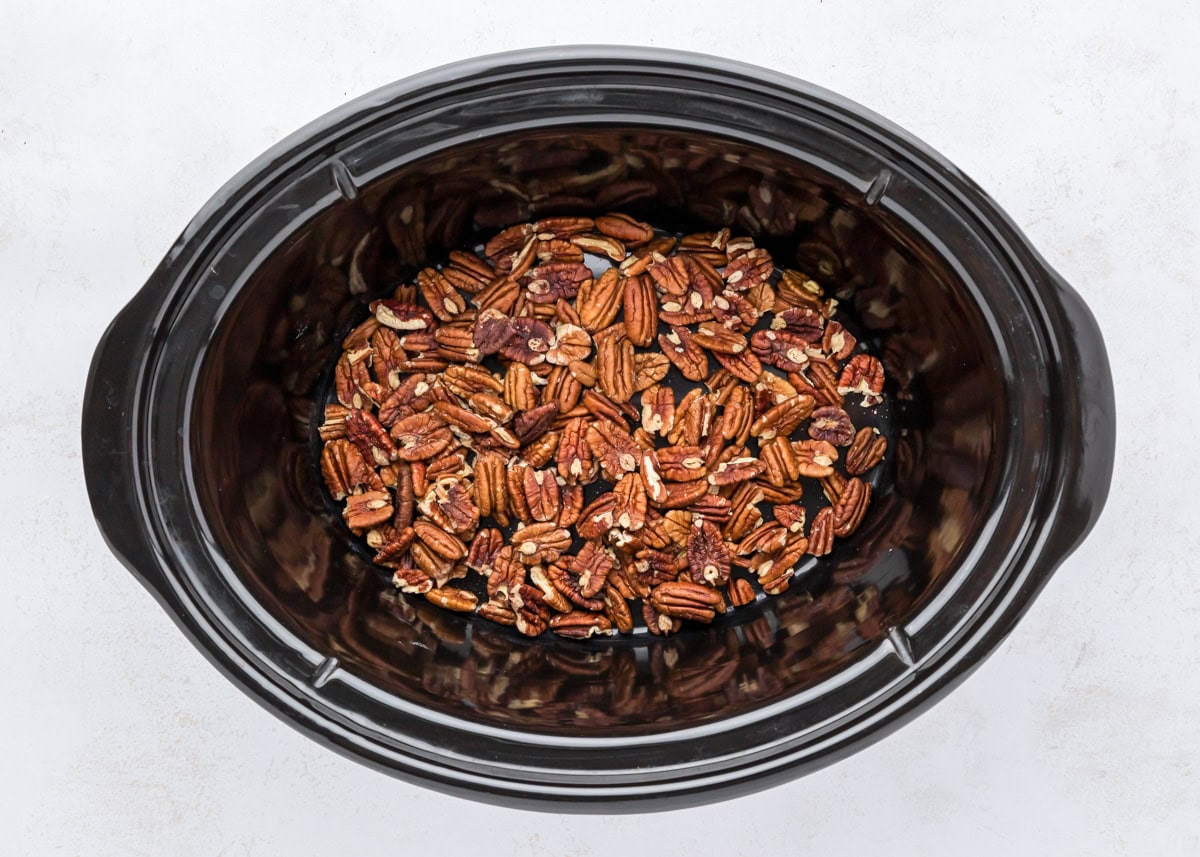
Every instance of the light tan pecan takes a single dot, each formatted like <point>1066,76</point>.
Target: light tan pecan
<point>866,451</point>
<point>649,369</point>
<point>816,457</point>
<point>571,343</point>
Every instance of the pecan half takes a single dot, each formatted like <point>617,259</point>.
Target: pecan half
<point>708,556</point>
<point>832,425</point>
<point>681,600</point>
<point>866,451</point>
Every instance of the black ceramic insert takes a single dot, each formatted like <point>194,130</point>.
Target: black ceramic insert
<point>199,443</point>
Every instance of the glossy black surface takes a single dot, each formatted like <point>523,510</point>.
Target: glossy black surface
<point>198,454</point>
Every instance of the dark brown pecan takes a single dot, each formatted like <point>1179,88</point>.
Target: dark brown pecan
<point>708,556</point>
<point>832,425</point>
<point>481,556</point>
<point>866,451</point>
<point>535,422</point>
<point>554,280</point>
<point>529,343</point>
<point>492,331</point>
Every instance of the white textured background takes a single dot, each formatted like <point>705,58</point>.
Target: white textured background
<point>1080,736</point>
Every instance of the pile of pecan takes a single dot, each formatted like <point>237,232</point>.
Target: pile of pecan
<point>514,414</point>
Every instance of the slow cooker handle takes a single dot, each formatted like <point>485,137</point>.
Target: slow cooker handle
<point>108,453</point>
<point>1091,429</point>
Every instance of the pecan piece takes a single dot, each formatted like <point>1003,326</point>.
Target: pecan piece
<point>491,489</point>
<point>659,624</point>
<point>749,269</point>
<point>862,375</point>
<point>804,322</point>
<point>570,343</point>
<point>837,342</point>
<point>832,425</point>
<point>535,422</point>
<point>866,451</point>
<point>345,470</point>
<point>412,580</point>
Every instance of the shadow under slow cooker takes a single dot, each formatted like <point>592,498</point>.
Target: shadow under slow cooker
<point>259,397</point>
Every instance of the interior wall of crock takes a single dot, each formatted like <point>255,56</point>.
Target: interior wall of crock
<point>261,389</point>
